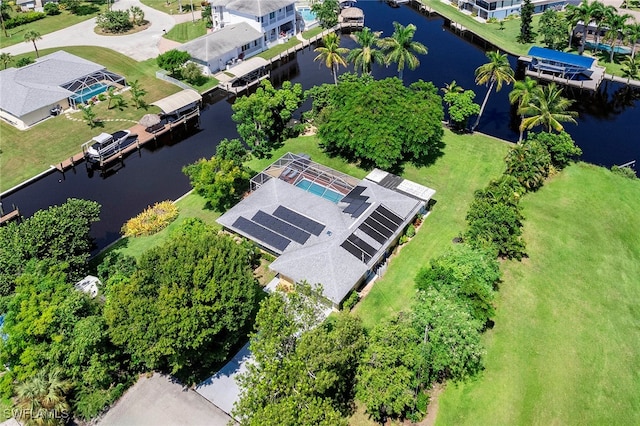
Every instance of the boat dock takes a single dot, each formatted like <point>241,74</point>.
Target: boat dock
<point>6,218</point>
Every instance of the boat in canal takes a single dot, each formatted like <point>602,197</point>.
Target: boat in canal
<point>105,145</point>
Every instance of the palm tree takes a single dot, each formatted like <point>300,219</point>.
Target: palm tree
<point>6,59</point>
<point>364,56</point>
<point>617,24</point>
<point>548,108</point>
<point>630,69</point>
<point>522,93</point>
<point>496,72</point>
<point>599,14</point>
<point>137,93</point>
<point>452,87</point>
<point>33,36</point>
<point>332,54</point>
<point>42,400</point>
<point>581,13</point>
<point>632,35</point>
<point>401,48</point>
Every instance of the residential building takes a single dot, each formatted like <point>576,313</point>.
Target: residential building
<point>502,8</point>
<point>326,227</point>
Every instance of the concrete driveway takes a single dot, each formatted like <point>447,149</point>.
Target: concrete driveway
<point>139,46</point>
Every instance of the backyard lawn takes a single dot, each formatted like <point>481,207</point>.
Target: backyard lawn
<point>27,153</point>
<point>564,349</point>
<point>187,31</point>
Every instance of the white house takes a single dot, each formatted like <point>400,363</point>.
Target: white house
<point>500,9</point>
<point>274,19</point>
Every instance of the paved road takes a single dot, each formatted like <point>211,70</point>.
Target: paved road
<point>139,46</point>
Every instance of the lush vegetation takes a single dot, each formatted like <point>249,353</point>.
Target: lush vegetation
<point>563,341</point>
<point>358,120</point>
<point>326,12</point>
<point>152,220</point>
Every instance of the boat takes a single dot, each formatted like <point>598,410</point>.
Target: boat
<point>104,145</point>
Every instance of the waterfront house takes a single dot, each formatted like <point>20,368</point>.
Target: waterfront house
<point>500,9</point>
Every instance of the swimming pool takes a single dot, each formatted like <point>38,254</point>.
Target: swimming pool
<point>307,14</point>
<point>319,190</point>
<point>607,48</point>
<point>87,93</point>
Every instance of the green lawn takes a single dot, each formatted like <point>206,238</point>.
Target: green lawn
<point>279,48</point>
<point>187,31</point>
<point>312,32</point>
<point>564,350</point>
<point>27,153</point>
<point>173,6</point>
<point>468,164</point>
<point>49,24</point>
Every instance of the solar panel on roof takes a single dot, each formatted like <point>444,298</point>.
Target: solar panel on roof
<point>367,229</point>
<point>355,251</point>
<point>353,206</point>
<point>262,234</point>
<point>383,220</point>
<point>356,191</point>
<point>378,227</point>
<point>360,210</point>
<point>390,215</point>
<point>296,219</point>
<point>281,227</point>
<point>362,245</point>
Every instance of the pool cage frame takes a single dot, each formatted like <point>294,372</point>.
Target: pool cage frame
<point>293,167</point>
<point>102,76</point>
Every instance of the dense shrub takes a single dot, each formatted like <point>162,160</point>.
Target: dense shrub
<point>23,18</point>
<point>114,21</point>
<point>24,61</point>
<point>624,172</point>
<point>529,163</point>
<point>560,146</point>
<point>152,220</point>
<point>52,9</point>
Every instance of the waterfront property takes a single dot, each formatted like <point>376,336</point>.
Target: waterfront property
<point>500,9</point>
<point>326,227</point>
<point>53,83</point>
<point>567,68</point>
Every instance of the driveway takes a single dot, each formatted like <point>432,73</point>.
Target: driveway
<point>139,46</point>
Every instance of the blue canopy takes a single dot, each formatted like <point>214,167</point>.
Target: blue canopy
<point>569,59</point>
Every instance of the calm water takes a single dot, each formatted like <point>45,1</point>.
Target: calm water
<point>608,129</point>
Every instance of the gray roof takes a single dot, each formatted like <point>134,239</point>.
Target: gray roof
<point>27,89</point>
<point>253,7</point>
<point>322,259</point>
<point>219,42</point>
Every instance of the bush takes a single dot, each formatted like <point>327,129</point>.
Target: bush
<point>115,21</point>
<point>627,172</point>
<point>411,231</point>
<point>192,73</point>
<point>561,147</point>
<point>51,9</point>
<point>24,18</point>
<point>152,220</point>
<point>351,301</point>
<point>24,61</point>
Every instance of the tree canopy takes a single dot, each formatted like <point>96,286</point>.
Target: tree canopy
<point>326,12</point>
<point>172,60</point>
<point>262,117</point>
<point>187,304</point>
<point>380,122</point>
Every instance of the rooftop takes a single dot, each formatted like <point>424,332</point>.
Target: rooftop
<point>253,7</point>
<point>211,46</point>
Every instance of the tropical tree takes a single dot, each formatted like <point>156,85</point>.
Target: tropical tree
<point>32,36</point>
<point>326,12</point>
<point>89,115</point>
<point>581,13</point>
<point>617,25</point>
<point>137,15</point>
<point>364,56</point>
<point>332,54</point>
<point>528,162</point>
<point>632,34</point>
<point>521,94</point>
<point>527,35</point>
<point>402,49</point>
<point>42,400</point>
<point>548,108</point>
<point>496,72</point>
<point>631,69</point>
<point>6,59</point>
<point>599,14</point>
<point>137,93</point>
<point>451,89</point>
<point>553,29</point>
<point>461,108</point>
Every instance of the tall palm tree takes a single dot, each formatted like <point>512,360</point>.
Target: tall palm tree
<point>33,36</point>
<point>401,49</point>
<point>632,34</point>
<point>332,54</point>
<point>617,26</point>
<point>548,108</point>
<point>6,59</point>
<point>599,14</point>
<point>496,72</point>
<point>42,399</point>
<point>521,94</point>
<point>581,13</point>
<point>631,69</point>
<point>364,56</point>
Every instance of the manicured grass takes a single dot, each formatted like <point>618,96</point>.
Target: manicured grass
<point>172,6</point>
<point>469,163</point>
<point>48,25</point>
<point>564,349</point>
<point>187,31</point>
<point>505,39</point>
<point>190,206</point>
<point>312,33</point>
<point>279,48</point>
<point>27,153</point>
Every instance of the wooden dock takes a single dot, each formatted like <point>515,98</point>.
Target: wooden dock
<point>142,138</point>
<point>597,76</point>
<point>6,218</point>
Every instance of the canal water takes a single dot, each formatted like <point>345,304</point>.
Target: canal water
<point>608,129</point>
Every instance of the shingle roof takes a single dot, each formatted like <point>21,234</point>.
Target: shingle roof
<point>213,45</point>
<point>253,7</point>
<point>322,259</point>
<point>27,89</point>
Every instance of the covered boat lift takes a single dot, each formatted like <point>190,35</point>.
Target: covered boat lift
<point>567,65</point>
<point>180,104</point>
